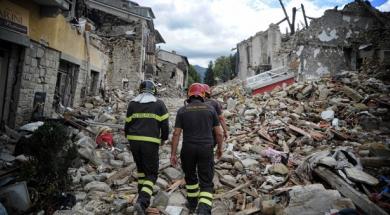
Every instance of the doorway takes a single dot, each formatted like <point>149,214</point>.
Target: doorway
<point>10,66</point>
<point>94,83</point>
<point>66,83</point>
<point>4,55</point>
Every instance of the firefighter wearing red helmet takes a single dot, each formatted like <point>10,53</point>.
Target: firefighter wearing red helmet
<point>217,106</point>
<point>198,121</point>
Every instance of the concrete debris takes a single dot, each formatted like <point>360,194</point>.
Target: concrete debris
<point>327,115</point>
<point>172,173</point>
<point>284,134</point>
<point>279,142</point>
<point>97,186</point>
<point>315,199</point>
<point>357,175</point>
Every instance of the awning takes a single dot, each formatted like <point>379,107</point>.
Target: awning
<point>14,37</point>
<point>63,4</point>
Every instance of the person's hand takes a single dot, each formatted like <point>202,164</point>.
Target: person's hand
<point>174,160</point>
<point>218,153</point>
<point>226,135</point>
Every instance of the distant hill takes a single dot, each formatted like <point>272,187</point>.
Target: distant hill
<point>201,71</point>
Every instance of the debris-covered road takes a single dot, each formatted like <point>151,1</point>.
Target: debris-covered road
<point>312,147</point>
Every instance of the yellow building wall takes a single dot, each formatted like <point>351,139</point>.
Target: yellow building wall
<point>59,34</point>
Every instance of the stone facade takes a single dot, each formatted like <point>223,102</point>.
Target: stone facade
<point>260,53</point>
<point>172,69</point>
<point>40,69</point>
<point>40,74</point>
<point>125,64</point>
<point>130,37</point>
<point>169,75</point>
<point>337,40</point>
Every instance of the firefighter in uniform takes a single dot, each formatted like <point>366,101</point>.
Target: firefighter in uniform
<point>146,127</point>
<point>217,106</point>
<point>198,121</point>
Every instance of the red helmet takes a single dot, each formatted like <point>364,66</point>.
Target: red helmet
<point>207,89</point>
<point>196,89</point>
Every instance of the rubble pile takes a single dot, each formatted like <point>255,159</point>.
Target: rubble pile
<point>279,138</point>
<point>314,147</point>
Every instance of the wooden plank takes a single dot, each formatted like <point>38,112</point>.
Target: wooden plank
<point>375,161</point>
<point>264,134</point>
<point>359,199</point>
<point>121,174</point>
<point>233,185</point>
<point>240,187</point>
<point>249,211</point>
<point>298,130</point>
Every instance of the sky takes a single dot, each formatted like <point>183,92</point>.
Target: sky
<point>203,30</point>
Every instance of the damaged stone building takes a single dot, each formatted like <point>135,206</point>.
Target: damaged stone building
<point>54,54</point>
<point>172,69</point>
<point>43,66</point>
<point>339,40</point>
<point>128,33</point>
<point>258,53</point>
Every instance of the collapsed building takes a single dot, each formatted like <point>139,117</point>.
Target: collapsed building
<point>56,53</point>
<point>258,53</point>
<point>128,32</point>
<point>339,40</point>
<point>172,69</point>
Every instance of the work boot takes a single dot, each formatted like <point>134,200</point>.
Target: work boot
<point>203,209</point>
<point>191,206</point>
<point>139,210</point>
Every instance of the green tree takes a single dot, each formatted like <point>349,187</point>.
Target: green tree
<point>209,76</point>
<point>222,68</point>
<point>193,76</point>
<point>233,62</point>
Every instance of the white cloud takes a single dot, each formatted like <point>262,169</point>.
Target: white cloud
<point>385,6</point>
<point>206,29</point>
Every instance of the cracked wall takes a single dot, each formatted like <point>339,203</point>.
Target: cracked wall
<point>332,42</point>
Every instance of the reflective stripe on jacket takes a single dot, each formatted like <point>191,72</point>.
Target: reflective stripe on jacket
<point>147,122</point>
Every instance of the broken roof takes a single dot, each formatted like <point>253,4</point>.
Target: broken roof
<point>122,8</point>
<point>159,38</point>
<point>174,53</point>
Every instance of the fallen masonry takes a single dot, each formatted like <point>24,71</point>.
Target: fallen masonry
<point>308,148</point>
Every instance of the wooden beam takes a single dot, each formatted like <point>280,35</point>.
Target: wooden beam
<point>292,26</point>
<point>304,15</point>
<point>278,23</point>
<point>359,199</point>
<point>233,185</point>
<point>285,13</point>
<point>228,193</point>
<point>248,211</point>
<point>375,161</point>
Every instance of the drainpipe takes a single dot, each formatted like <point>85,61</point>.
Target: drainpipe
<point>142,51</point>
<point>87,43</point>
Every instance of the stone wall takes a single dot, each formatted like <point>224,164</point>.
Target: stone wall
<point>164,74</point>
<point>39,75</point>
<point>125,63</point>
<point>82,85</point>
<point>243,63</point>
<point>332,42</point>
<point>127,53</point>
<point>260,53</point>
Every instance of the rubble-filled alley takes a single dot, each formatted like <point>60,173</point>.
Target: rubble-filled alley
<point>308,115</point>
